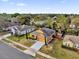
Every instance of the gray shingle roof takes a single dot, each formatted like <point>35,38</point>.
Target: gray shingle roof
<point>48,31</point>
<point>24,27</point>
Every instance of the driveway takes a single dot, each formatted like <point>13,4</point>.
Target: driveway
<point>35,47</point>
<point>7,52</point>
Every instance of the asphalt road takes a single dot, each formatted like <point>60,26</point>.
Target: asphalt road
<point>7,52</point>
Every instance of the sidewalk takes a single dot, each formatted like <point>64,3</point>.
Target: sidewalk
<point>38,52</point>
<point>4,36</point>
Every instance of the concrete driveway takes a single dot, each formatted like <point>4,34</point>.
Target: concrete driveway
<point>7,52</point>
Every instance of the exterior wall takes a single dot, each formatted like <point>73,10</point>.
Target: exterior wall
<point>41,37</point>
<point>49,38</point>
<point>68,44</point>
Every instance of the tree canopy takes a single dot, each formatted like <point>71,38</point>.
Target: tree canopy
<point>61,20</point>
<point>24,19</point>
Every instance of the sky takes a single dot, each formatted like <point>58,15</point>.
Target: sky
<point>39,6</point>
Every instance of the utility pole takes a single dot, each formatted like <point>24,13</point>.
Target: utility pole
<point>45,40</point>
<point>26,35</point>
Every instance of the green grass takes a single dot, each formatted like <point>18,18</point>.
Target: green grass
<point>62,53</point>
<point>39,57</point>
<point>3,33</point>
<point>22,48</point>
<point>22,40</point>
<point>59,52</point>
<point>6,41</point>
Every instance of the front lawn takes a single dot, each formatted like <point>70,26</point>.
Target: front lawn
<point>17,46</point>
<point>22,40</point>
<point>3,33</point>
<point>59,52</point>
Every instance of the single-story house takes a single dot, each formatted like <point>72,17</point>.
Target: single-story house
<point>71,41</point>
<point>20,30</point>
<point>43,34</point>
<point>72,26</point>
<point>54,18</point>
<point>40,22</point>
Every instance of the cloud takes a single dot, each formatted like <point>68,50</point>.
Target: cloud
<point>5,0</point>
<point>63,1</point>
<point>21,4</point>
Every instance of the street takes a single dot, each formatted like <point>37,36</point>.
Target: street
<point>8,52</point>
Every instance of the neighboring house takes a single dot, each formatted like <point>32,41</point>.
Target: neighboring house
<point>72,26</point>
<point>40,22</point>
<point>54,18</point>
<point>42,34</point>
<point>20,30</point>
<point>71,41</point>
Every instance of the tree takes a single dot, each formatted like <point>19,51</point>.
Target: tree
<point>61,21</point>
<point>54,25</point>
<point>40,17</point>
<point>4,14</point>
<point>15,15</point>
<point>75,21</point>
<point>49,22</point>
<point>24,19</point>
<point>3,22</point>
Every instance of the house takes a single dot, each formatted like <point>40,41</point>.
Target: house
<point>54,18</point>
<point>71,41</point>
<point>72,26</point>
<point>40,22</point>
<point>20,30</point>
<point>43,34</point>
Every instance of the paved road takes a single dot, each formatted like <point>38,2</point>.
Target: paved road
<point>7,52</point>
